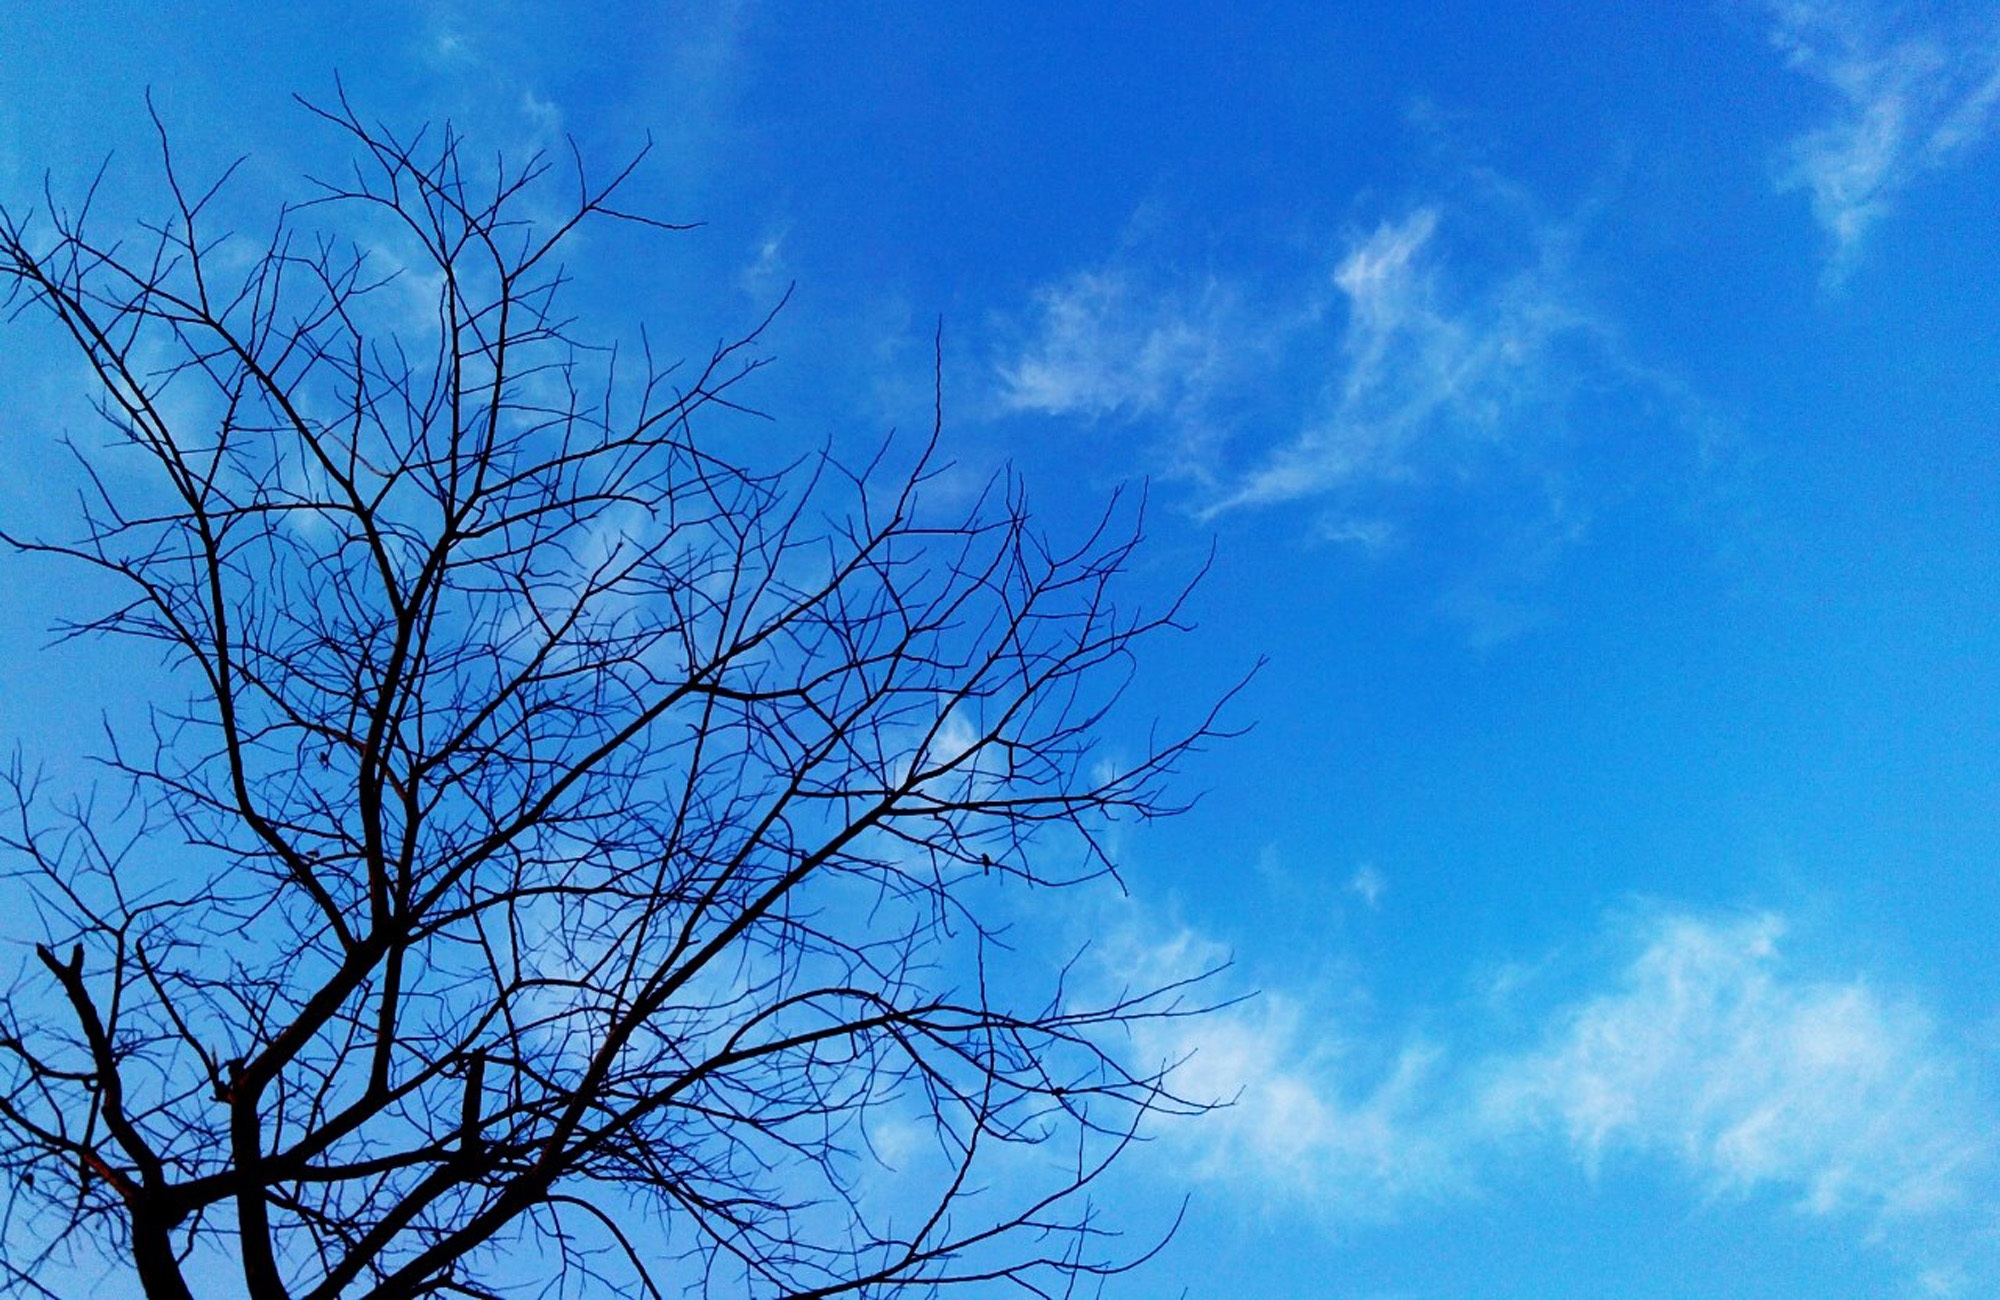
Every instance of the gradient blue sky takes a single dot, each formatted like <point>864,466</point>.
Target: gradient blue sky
<point>1593,411</point>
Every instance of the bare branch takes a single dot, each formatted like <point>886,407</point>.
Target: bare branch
<point>572,845</point>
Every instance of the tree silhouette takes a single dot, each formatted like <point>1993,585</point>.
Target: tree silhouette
<point>577,853</point>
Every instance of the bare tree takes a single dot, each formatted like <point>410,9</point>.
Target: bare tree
<point>576,850</point>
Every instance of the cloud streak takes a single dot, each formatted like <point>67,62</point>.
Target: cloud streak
<point>1909,103</point>
<point>1312,1111</point>
<point>1702,1050</point>
<point>1426,374</point>
<point>1109,343</point>
<point>1711,1053</point>
<point>1443,361</point>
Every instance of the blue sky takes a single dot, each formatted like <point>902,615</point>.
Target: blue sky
<point>1593,416</point>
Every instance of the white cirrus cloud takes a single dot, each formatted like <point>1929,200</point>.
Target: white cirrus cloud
<point>1710,1052</point>
<point>1445,359</point>
<point>1304,1118</point>
<point>1369,884</point>
<point>1702,1050</point>
<point>1113,341</point>
<point>1910,101</point>
<point>1311,1109</point>
<point>1429,373</point>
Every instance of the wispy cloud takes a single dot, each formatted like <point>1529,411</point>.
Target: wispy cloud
<point>1702,1049</point>
<point>1301,1119</point>
<point>1114,341</point>
<point>1439,369</point>
<point>1711,1052</point>
<point>1369,884</point>
<point>1313,1110</point>
<point>1428,371</point>
<point>1910,102</point>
